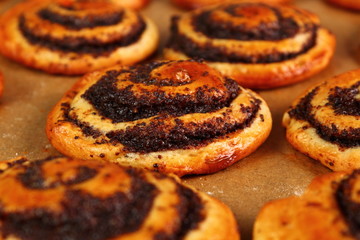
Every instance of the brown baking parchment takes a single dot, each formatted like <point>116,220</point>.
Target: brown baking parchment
<point>274,171</point>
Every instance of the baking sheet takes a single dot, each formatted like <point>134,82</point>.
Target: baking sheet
<point>274,171</point>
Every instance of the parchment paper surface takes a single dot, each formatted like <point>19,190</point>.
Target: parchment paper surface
<point>274,171</point>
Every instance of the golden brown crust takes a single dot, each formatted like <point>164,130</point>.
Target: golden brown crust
<point>349,4</point>
<point>265,58</point>
<point>76,37</point>
<point>324,122</point>
<point>191,130</point>
<point>77,199</point>
<point>313,216</point>
<point>193,4</point>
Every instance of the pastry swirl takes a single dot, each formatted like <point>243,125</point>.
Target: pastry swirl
<point>259,45</point>
<point>77,37</point>
<point>172,116</point>
<point>77,199</point>
<point>324,123</point>
<point>331,202</point>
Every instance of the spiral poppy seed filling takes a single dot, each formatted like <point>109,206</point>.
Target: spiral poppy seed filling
<point>190,210</point>
<point>218,29</point>
<point>32,177</point>
<point>122,105</point>
<point>350,208</point>
<point>344,101</point>
<point>83,215</point>
<point>277,30</point>
<point>345,138</point>
<point>77,23</point>
<point>158,136</point>
<point>86,128</point>
<point>82,45</point>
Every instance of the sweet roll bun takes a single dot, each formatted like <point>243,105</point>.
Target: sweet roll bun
<point>329,209</point>
<point>324,123</point>
<point>259,45</point>
<point>179,117</point>
<point>75,37</point>
<point>63,198</point>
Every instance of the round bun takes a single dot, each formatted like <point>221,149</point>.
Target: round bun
<point>324,123</point>
<point>329,209</point>
<point>179,117</point>
<point>193,4</point>
<point>62,198</point>
<point>75,37</point>
<point>259,45</point>
<point>349,4</point>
